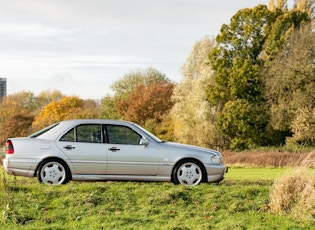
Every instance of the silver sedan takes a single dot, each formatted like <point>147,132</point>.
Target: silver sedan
<point>95,149</point>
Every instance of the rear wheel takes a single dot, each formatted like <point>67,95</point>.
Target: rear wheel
<point>53,172</point>
<point>188,172</point>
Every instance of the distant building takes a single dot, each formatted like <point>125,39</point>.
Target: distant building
<point>3,88</point>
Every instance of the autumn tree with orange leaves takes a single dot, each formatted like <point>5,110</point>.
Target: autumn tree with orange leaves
<point>147,102</point>
<point>70,107</point>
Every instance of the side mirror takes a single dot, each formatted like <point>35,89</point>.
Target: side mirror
<point>144,142</point>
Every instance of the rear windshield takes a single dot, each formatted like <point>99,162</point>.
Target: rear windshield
<point>42,131</point>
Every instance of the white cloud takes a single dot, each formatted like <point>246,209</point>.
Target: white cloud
<point>91,44</point>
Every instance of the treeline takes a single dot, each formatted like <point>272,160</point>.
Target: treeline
<point>253,85</point>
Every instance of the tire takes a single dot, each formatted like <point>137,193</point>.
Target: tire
<point>188,172</point>
<point>53,172</point>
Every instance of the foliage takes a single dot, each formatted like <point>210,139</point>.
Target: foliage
<point>144,98</point>
<point>46,97</point>
<point>243,121</point>
<point>237,83</point>
<point>16,115</point>
<point>290,82</point>
<point>252,37</point>
<point>193,117</point>
<point>126,86</point>
<point>303,127</point>
<point>67,108</point>
<point>147,102</point>
<point>233,204</point>
<point>284,24</point>
<point>108,108</point>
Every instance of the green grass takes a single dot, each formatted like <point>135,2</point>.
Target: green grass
<point>254,174</point>
<point>239,202</point>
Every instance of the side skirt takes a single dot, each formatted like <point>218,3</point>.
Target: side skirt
<point>76,177</point>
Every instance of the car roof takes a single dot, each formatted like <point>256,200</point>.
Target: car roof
<point>63,126</point>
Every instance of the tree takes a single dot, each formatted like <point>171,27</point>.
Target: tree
<point>17,112</point>
<point>290,81</point>
<point>46,97</point>
<point>252,37</point>
<point>126,86</point>
<point>147,102</point>
<point>69,107</point>
<point>236,61</point>
<point>285,23</point>
<point>193,118</point>
<point>242,121</point>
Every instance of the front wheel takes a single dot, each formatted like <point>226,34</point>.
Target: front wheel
<point>53,172</point>
<point>188,172</point>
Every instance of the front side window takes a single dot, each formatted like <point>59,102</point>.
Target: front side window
<point>91,133</point>
<point>118,134</point>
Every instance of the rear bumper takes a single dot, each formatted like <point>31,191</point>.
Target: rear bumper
<point>19,168</point>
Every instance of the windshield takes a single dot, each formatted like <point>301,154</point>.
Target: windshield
<point>42,131</point>
<point>149,134</point>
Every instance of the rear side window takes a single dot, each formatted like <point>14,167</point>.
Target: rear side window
<point>69,136</point>
<point>90,133</point>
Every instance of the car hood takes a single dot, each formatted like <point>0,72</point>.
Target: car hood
<point>191,147</point>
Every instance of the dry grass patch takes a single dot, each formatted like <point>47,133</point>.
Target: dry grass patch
<point>294,192</point>
<point>264,159</point>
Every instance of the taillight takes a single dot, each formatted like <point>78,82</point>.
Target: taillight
<point>9,147</point>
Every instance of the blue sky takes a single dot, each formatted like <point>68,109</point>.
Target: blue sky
<point>81,47</point>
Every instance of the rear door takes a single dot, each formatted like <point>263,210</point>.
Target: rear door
<point>85,148</point>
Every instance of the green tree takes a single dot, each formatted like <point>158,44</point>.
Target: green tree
<point>285,23</point>
<point>236,61</point>
<point>252,37</point>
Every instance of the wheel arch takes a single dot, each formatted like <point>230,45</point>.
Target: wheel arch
<point>195,160</point>
<point>52,159</point>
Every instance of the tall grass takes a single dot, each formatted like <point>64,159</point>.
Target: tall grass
<point>264,158</point>
<point>294,192</point>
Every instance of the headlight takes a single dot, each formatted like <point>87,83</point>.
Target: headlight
<point>216,160</point>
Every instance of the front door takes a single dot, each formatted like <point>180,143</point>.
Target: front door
<point>126,156</point>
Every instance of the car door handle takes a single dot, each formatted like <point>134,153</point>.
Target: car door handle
<point>69,147</point>
<point>113,149</point>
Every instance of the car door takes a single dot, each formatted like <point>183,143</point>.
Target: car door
<point>85,149</point>
<point>126,156</point>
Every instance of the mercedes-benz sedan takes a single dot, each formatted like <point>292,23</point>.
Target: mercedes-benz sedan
<point>91,149</point>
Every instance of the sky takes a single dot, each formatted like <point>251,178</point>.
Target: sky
<point>81,47</point>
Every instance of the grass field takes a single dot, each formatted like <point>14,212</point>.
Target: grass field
<point>241,201</point>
